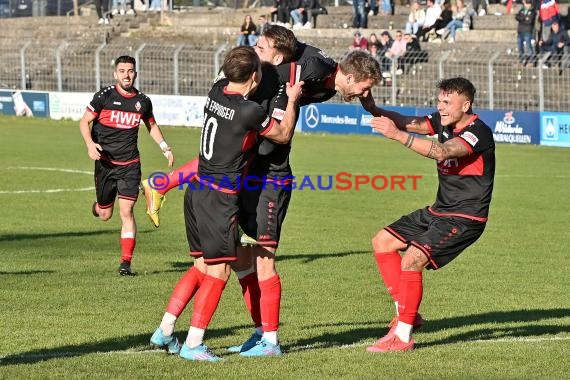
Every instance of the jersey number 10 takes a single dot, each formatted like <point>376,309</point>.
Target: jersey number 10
<point>207,137</point>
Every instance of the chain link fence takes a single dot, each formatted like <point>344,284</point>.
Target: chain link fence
<point>177,69</point>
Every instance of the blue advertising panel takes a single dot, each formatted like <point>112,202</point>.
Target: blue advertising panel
<point>512,127</point>
<point>339,118</point>
<point>555,129</point>
<point>24,103</point>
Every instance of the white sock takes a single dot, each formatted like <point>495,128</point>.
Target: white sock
<point>270,336</point>
<point>259,330</point>
<point>195,337</point>
<point>167,324</point>
<point>404,331</point>
<point>396,303</point>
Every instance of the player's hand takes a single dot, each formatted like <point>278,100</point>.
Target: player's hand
<point>169,156</point>
<point>294,92</point>
<point>385,126</point>
<point>94,151</point>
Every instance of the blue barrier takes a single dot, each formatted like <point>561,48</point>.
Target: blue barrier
<point>555,129</point>
<point>24,103</point>
<point>508,126</point>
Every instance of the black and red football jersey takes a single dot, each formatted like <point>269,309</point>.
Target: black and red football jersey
<point>116,124</point>
<point>466,183</point>
<point>231,125</point>
<point>317,70</point>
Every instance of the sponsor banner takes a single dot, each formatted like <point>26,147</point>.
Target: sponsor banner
<point>68,105</point>
<point>512,127</point>
<point>185,111</point>
<point>24,103</point>
<point>338,118</point>
<point>555,129</point>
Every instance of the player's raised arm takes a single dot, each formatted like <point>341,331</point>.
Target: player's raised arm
<point>453,148</point>
<point>413,124</point>
<point>282,131</point>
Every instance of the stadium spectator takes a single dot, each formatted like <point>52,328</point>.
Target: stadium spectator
<point>442,21</point>
<point>212,199</point>
<point>556,44</point>
<point>480,7</point>
<point>359,42</point>
<point>247,35</point>
<point>373,40</point>
<point>416,18</point>
<point>386,42</point>
<point>359,14</point>
<point>280,12</point>
<point>312,9</point>
<point>414,53</point>
<point>432,237</point>
<point>548,13</point>
<point>102,6</point>
<point>461,20</point>
<point>397,50</point>
<point>109,128</point>
<point>262,26</point>
<point>526,18</point>
<point>433,12</point>
<point>297,12</point>
<point>261,285</point>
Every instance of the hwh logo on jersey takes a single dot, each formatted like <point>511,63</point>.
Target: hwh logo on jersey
<point>125,119</point>
<point>448,166</point>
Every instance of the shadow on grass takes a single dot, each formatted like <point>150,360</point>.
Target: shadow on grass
<point>25,272</point>
<point>183,266</point>
<point>50,235</point>
<point>372,330</point>
<point>134,343</point>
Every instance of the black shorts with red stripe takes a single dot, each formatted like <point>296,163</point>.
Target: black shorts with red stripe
<point>263,207</point>
<point>211,223</point>
<point>112,179</point>
<point>440,238</point>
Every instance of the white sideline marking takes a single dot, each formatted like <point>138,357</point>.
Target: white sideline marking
<point>47,190</point>
<point>56,355</point>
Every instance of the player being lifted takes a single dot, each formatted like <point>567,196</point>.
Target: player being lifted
<point>263,208</point>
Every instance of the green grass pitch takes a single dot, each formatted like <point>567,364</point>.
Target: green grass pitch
<point>501,310</point>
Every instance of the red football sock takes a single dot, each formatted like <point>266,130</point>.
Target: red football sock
<point>411,292</point>
<point>270,303</point>
<point>207,300</point>
<point>390,267</point>
<point>183,174</point>
<point>127,248</point>
<point>184,290</point>
<point>252,295</point>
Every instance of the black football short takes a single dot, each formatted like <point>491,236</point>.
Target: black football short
<point>111,179</point>
<point>211,223</point>
<point>440,238</point>
<point>263,207</point>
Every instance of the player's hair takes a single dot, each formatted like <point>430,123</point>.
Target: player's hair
<point>459,85</point>
<point>362,66</point>
<point>125,59</point>
<point>284,41</point>
<point>240,63</point>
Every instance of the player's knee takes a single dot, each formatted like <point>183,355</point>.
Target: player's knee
<point>105,214</point>
<point>381,241</point>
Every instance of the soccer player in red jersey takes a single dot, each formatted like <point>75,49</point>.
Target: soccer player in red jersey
<point>109,128</point>
<point>431,237</point>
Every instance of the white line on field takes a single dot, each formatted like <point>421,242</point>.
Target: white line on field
<point>305,347</point>
<point>36,191</point>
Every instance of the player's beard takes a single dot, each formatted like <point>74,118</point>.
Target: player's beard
<point>124,87</point>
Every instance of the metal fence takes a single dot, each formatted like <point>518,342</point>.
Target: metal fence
<point>76,66</point>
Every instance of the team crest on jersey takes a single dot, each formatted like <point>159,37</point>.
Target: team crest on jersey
<point>470,138</point>
<point>138,106</point>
